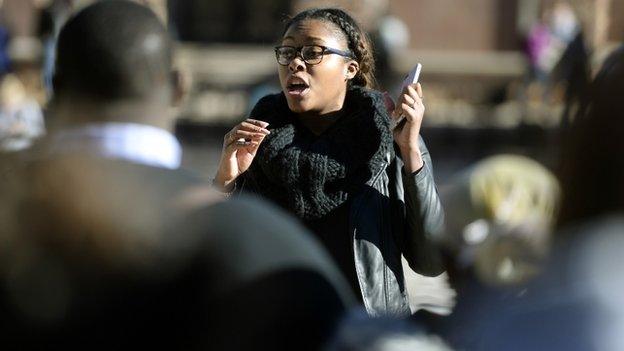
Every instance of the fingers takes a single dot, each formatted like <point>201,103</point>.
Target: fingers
<point>419,90</point>
<point>255,126</point>
<point>409,100</point>
<point>412,106</point>
<point>238,139</point>
<point>246,133</point>
<point>243,134</point>
<point>408,112</point>
<point>414,92</point>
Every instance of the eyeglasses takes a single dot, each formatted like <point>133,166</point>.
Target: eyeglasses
<point>311,54</point>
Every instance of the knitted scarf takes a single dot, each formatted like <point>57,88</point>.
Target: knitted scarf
<point>310,175</point>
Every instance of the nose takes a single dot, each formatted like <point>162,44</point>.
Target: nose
<point>296,64</point>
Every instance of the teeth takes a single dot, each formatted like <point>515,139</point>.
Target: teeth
<point>298,83</point>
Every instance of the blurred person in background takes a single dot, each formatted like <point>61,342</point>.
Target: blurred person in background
<point>540,49</point>
<point>591,173</point>
<point>114,93</point>
<point>323,150</point>
<point>573,68</point>
<point>107,244</point>
<point>576,303</point>
<point>21,118</point>
<point>548,46</point>
<point>500,213</point>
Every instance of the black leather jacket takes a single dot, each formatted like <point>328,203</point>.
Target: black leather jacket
<point>398,214</point>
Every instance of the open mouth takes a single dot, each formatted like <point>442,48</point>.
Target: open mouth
<point>297,88</point>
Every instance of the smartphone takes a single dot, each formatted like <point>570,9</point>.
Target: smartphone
<point>411,78</point>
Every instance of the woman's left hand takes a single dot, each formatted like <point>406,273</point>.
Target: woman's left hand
<point>411,106</point>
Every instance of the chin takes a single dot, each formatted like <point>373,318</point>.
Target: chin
<point>298,106</point>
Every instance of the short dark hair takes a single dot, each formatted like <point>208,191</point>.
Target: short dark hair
<point>112,50</point>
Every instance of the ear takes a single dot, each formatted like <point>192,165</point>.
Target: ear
<point>179,85</point>
<point>351,70</point>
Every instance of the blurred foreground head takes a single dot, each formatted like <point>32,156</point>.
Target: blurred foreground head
<point>105,254</point>
<point>500,213</point>
<point>592,168</point>
<point>127,261</point>
<point>113,53</point>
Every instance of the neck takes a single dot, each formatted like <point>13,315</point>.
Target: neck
<point>318,123</point>
<point>71,114</point>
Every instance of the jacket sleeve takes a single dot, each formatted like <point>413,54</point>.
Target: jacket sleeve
<point>424,225</point>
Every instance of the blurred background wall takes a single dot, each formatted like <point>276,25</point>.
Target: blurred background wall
<point>480,83</point>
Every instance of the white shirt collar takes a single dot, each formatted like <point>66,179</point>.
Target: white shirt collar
<point>131,142</point>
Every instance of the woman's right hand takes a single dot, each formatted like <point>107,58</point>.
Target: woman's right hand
<point>239,149</point>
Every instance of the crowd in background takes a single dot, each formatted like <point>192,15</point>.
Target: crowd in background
<point>100,253</point>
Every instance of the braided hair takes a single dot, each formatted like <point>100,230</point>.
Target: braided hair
<point>358,42</point>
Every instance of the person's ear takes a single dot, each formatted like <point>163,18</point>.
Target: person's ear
<point>180,87</point>
<point>351,70</point>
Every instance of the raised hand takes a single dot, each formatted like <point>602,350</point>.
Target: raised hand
<point>411,106</point>
<point>239,149</point>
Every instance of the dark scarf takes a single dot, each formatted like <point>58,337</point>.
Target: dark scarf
<point>311,175</point>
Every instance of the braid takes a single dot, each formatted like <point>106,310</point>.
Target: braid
<point>358,42</point>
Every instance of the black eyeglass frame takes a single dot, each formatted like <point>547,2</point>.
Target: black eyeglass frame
<point>299,52</point>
